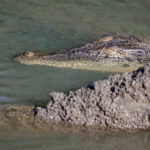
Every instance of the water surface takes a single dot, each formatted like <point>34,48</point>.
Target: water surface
<point>51,25</point>
<point>57,141</point>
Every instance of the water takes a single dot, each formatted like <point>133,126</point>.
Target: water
<point>38,25</point>
<point>62,141</point>
<point>51,25</point>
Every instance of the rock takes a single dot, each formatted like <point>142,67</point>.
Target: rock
<point>121,102</point>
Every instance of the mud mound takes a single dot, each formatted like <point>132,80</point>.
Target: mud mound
<point>122,101</point>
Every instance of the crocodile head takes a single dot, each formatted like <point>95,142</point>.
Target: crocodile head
<point>128,54</point>
<point>104,54</point>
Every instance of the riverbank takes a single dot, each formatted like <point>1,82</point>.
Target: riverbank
<point>120,102</point>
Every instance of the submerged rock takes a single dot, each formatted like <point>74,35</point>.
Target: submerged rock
<point>122,102</point>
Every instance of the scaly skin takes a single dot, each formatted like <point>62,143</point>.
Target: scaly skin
<point>113,54</point>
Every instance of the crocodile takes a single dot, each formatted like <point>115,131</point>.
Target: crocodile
<point>112,54</point>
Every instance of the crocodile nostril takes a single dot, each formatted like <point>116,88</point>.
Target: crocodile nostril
<point>29,54</point>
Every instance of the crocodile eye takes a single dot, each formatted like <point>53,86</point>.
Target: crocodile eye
<point>108,50</point>
<point>29,54</point>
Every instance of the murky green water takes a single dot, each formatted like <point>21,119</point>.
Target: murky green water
<point>28,141</point>
<point>46,25</point>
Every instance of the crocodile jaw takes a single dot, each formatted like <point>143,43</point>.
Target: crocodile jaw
<point>104,66</point>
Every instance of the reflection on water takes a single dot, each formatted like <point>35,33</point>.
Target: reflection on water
<point>24,83</point>
<point>61,141</point>
<point>50,25</point>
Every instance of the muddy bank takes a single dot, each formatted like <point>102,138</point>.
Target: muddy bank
<point>14,118</point>
<point>122,102</point>
<point>22,118</point>
<point>17,117</point>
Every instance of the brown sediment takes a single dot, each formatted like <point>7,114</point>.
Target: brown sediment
<point>16,118</point>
